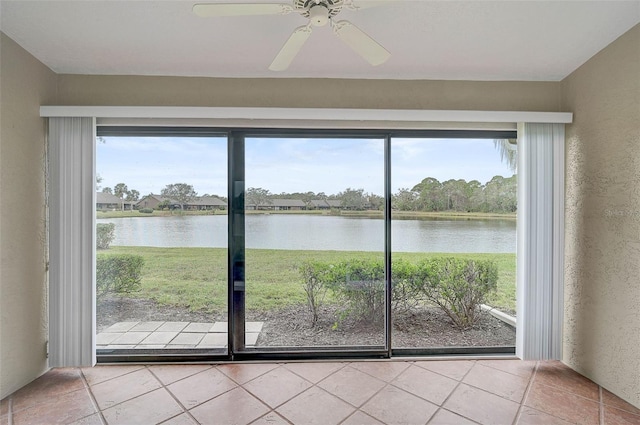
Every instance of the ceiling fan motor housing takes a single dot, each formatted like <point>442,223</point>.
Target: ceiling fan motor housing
<point>331,8</point>
<point>319,15</point>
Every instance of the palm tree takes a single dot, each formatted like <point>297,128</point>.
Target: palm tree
<point>508,150</point>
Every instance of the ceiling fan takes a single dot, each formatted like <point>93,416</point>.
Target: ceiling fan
<point>319,12</point>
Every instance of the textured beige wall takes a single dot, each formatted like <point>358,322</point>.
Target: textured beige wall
<point>308,93</point>
<point>602,277</point>
<point>24,84</point>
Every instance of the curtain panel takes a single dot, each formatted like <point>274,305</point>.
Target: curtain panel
<point>540,241</point>
<point>72,305</point>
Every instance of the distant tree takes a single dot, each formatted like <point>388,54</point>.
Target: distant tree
<point>430,195</point>
<point>457,194</point>
<point>98,181</point>
<point>180,192</point>
<point>353,199</point>
<point>375,202</point>
<point>405,200</point>
<point>257,197</point>
<point>107,190</point>
<point>120,190</point>
<point>133,195</point>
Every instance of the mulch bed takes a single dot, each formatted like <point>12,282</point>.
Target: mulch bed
<point>291,326</point>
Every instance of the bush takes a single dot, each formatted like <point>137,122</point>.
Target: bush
<point>458,286</point>
<point>357,283</point>
<point>406,293</point>
<point>146,210</point>
<point>105,232</point>
<point>119,273</point>
<point>314,276</point>
<point>360,284</point>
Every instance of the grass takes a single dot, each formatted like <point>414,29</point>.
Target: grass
<point>196,278</point>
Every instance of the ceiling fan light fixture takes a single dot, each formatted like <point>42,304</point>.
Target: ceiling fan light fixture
<point>319,15</point>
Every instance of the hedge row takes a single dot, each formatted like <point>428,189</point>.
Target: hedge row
<point>458,286</point>
<point>118,273</point>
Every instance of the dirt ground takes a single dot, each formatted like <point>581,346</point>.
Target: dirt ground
<point>425,327</point>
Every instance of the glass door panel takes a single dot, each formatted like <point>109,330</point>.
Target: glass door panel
<point>161,255</point>
<point>314,242</point>
<point>453,242</point>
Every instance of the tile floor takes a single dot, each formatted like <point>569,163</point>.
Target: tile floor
<point>158,335</point>
<point>456,392</point>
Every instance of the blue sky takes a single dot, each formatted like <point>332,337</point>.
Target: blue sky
<point>148,164</point>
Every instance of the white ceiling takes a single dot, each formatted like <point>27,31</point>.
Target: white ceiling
<point>451,40</point>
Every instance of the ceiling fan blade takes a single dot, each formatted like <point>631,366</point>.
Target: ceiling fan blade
<point>361,43</point>
<point>291,48</point>
<point>206,10</point>
<point>365,4</point>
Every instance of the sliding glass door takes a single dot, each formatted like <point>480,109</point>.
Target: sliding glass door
<point>161,254</point>
<point>314,238</point>
<point>454,243</point>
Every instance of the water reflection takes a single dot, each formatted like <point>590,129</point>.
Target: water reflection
<point>312,232</point>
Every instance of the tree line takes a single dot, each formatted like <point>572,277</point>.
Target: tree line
<point>499,195</point>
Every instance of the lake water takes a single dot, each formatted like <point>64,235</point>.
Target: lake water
<point>313,232</point>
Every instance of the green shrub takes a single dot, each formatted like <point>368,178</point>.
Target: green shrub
<point>146,210</point>
<point>359,284</point>
<point>119,273</point>
<point>405,287</point>
<point>458,286</point>
<point>314,285</point>
<point>105,232</point>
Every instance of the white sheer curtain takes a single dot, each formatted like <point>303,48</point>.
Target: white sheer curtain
<point>540,241</point>
<point>72,305</point>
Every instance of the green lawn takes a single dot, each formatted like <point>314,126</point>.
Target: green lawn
<point>196,278</point>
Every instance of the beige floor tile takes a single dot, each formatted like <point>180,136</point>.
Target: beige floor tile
<point>425,384</point>
<point>65,408</point>
<point>168,374</point>
<point>150,408</point>
<point>314,372</point>
<point>123,388</point>
<point>351,385</point>
<point>95,375</point>
<point>454,369</point>
<point>497,382</point>
<point>277,386</point>
<point>242,373</point>
<point>386,371</point>
<point>201,387</point>
<point>395,406</point>
<point>315,406</point>
<point>445,417</point>
<point>234,407</point>
<point>481,406</point>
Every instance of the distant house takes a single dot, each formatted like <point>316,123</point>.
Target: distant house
<point>279,205</point>
<point>108,201</point>
<point>325,204</point>
<point>206,203</point>
<point>288,204</point>
<point>198,203</point>
<point>152,201</point>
